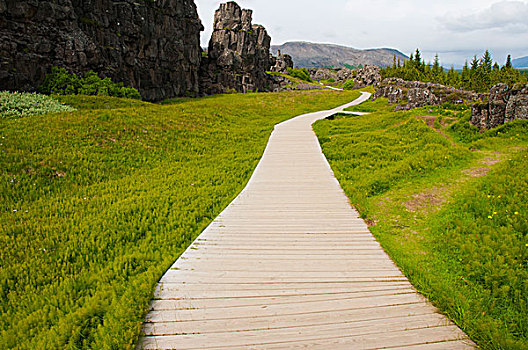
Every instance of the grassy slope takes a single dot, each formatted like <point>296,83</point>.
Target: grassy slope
<point>97,204</point>
<point>450,205</point>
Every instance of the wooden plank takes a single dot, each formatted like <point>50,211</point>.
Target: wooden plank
<point>316,338</point>
<point>185,303</point>
<point>273,310</point>
<point>284,294</point>
<point>286,288</point>
<point>444,345</point>
<point>349,317</point>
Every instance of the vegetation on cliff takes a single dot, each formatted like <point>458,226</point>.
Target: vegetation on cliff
<point>448,203</point>
<point>96,204</point>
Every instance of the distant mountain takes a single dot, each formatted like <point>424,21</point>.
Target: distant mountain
<point>312,55</point>
<point>520,62</point>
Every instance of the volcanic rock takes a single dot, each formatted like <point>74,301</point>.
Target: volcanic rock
<point>281,63</point>
<point>238,55</point>
<point>153,46</point>
<point>503,105</point>
<point>413,94</point>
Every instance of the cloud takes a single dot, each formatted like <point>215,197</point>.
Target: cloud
<point>509,16</point>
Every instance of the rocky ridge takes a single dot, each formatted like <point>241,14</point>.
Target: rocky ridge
<point>503,104</point>
<point>414,94</point>
<point>153,46</point>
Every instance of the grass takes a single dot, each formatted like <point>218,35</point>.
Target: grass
<point>99,102</point>
<point>295,81</point>
<point>450,206</point>
<point>97,204</point>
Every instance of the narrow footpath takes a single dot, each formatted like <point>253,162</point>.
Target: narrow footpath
<point>289,264</point>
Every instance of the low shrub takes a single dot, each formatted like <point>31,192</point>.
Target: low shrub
<point>300,73</point>
<point>21,104</point>
<point>349,85</point>
<point>100,102</point>
<point>62,82</point>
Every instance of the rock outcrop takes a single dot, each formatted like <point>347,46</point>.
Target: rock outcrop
<point>323,74</point>
<point>238,56</point>
<point>414,94</point>
<point>281,63</point>
<point>153,46</point>
<point>503,105</point>
<point>362,77</point>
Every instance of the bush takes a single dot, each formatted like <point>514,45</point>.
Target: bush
<point>349,85</point>
<point>300,73</point>
<point>62,82</point>
<point>18,104</point>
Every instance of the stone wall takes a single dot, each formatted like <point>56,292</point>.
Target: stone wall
<point>153,46</point>
<point>238,55</point>
<point>503,105</point>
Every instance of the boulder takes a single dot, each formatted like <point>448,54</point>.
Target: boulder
<point>517,106</point>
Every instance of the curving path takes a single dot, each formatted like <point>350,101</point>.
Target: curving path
<point>289,264</point>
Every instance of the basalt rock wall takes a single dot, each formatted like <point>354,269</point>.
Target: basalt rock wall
<point>153,46</point>
<point>503,105</point>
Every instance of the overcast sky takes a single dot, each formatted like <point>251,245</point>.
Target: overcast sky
<point>455,29</point>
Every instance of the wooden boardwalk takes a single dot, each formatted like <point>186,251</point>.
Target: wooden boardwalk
<point>289,264</point>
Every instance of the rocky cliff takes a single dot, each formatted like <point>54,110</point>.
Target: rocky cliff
<point>238,55</point>
<point>153,46</point>
<point>503,105</point>
<point>413,94</point>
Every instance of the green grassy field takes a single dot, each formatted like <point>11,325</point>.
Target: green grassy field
<point>450,206</point>
<point>97,204</point>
